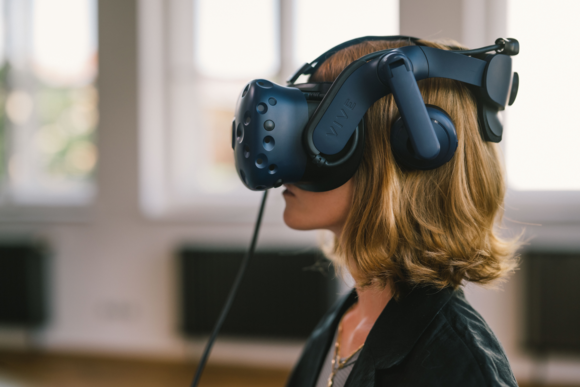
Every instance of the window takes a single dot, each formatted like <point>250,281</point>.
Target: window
<point>192,76</point>
<point>334,22</point>
<point>543,165</point>
<point>48,118</point>
<point>225,58</point>
<point>544,131</point>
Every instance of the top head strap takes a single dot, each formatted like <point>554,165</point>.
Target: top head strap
<point>309,68</point>
<point>367,79</point>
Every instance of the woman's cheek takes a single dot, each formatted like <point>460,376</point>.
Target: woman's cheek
<point>299,216</point>
<point>318,210</point>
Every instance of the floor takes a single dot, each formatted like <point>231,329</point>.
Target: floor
<point>44,370</point>
<point>37,370</point>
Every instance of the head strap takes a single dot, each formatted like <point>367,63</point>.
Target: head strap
<point>309,68</point>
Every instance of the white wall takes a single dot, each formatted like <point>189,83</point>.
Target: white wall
<point>114,287</point>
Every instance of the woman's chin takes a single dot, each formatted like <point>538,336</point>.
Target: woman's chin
<point>304,223</point>
<point>292,221</point>
<point>297,222</point>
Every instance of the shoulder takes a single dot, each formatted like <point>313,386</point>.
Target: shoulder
<point>459,349</point>
<point>472,331</point>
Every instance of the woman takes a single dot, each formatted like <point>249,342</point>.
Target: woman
<point>409,239</point>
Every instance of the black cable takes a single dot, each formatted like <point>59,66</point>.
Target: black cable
<point>231,296</point>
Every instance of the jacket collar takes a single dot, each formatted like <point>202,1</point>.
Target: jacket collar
<point>402,322</point>
<point>396,331</point>
<point>394,334</point>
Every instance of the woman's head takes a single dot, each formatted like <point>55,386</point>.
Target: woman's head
<point>407,227</point>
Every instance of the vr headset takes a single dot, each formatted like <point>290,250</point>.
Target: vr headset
<point>312,134</point>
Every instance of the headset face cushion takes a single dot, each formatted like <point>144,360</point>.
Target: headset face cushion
<point>325,178</point>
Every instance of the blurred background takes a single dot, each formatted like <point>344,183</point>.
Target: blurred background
<point>122,219</point>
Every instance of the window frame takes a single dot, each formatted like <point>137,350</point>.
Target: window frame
<point>160,22</point>
<point>166,79</point>
<point>533,210</point>
<point>16,208</point>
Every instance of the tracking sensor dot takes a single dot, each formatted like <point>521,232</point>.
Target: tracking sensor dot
<point>246,151</point>
<point>264,84</point>
<point>246,90</point>
<point>240,133</point>
<point>269,125</point>
<point>261,161</point>
<point>272,101</point>
<point>262,108</point>
<point>268,143</point>
<point>278,183</point>
<point>272,169</point>
<point>247,119</point>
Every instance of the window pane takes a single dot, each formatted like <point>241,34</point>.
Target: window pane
<point>543,132</point>
<point>50,100</point>
<point>65,42</point>
<point>236,39</point>
<point>336,21</point>
<point>234,42</point>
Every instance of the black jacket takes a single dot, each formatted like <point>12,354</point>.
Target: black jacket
<point>426,338</point>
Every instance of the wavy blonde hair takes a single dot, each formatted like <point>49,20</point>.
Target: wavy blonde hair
<point>408,228</point>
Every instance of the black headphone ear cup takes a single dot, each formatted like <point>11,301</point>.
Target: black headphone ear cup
<point>403,149</point>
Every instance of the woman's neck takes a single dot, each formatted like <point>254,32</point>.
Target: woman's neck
<point>359,320</point>
<point>372,301</point>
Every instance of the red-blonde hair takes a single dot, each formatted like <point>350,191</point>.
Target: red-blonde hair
<point>436,227</point>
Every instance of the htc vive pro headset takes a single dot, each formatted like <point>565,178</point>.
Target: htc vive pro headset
<point>312,134</point>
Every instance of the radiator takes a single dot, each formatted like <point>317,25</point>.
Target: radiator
<point>23,299</point>
<point>553,302</point>
<point>283,295</point>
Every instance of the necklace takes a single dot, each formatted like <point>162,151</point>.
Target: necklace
<point>338,364</point>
